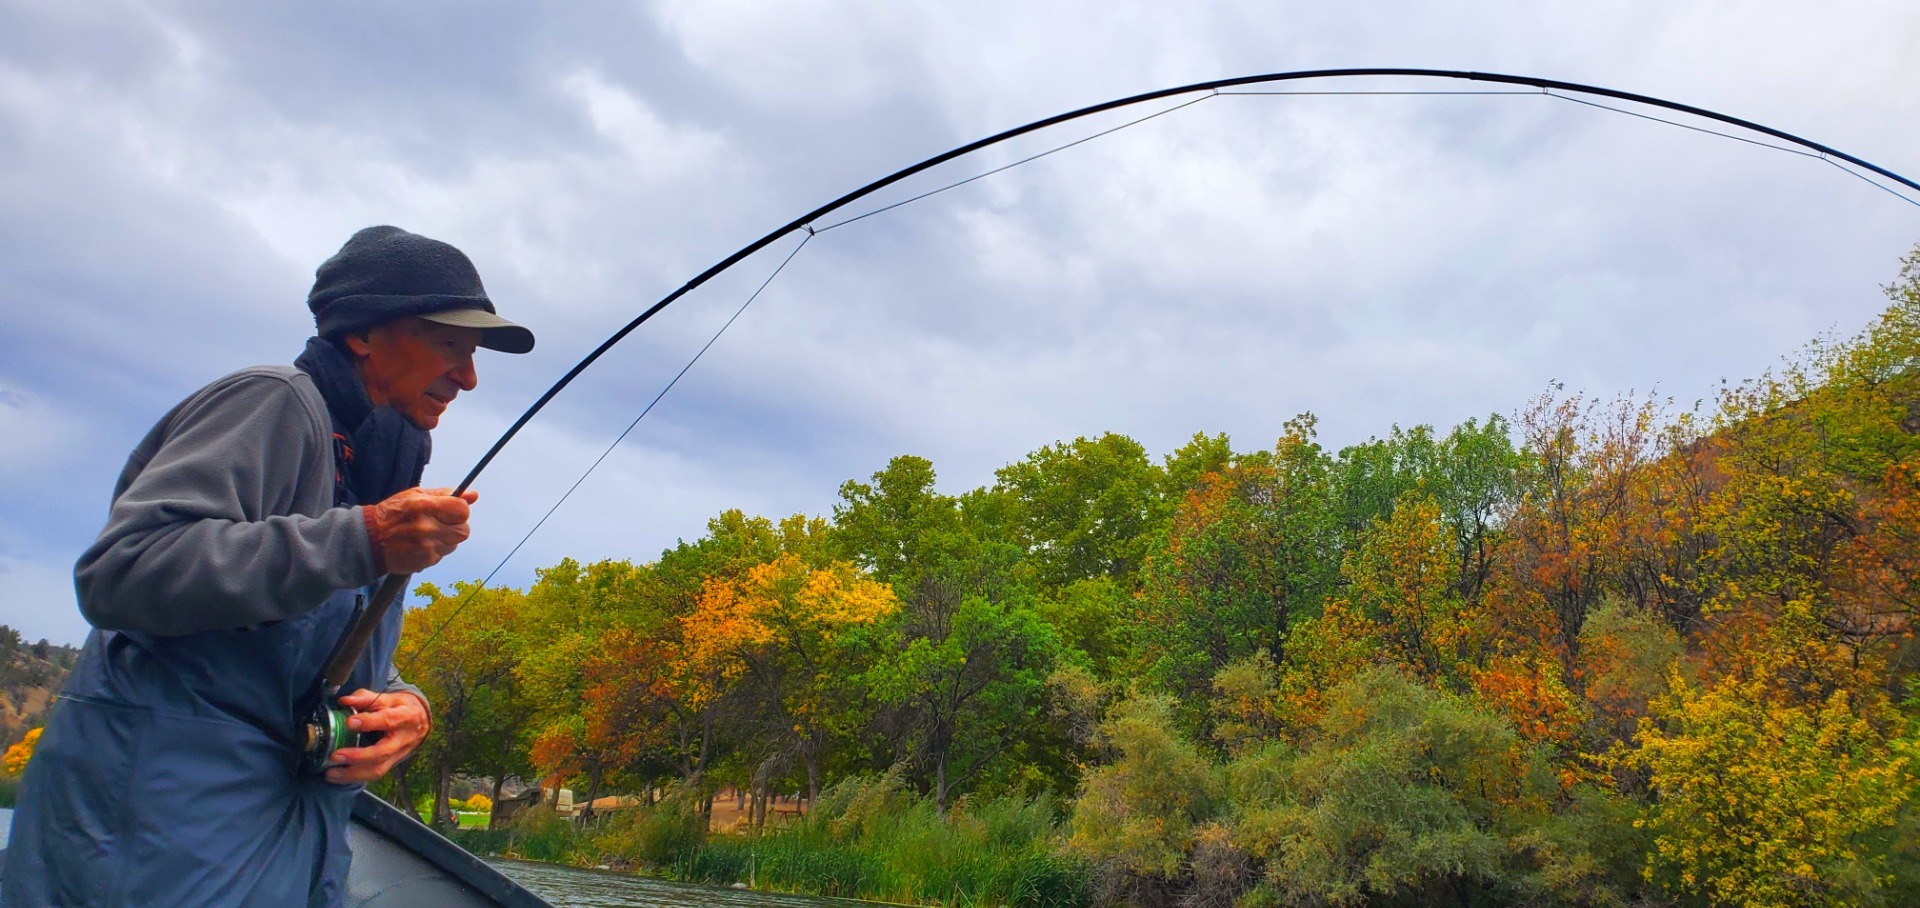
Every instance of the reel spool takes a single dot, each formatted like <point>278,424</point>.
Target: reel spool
<point>325,731</point>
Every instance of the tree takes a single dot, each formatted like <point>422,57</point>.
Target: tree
<point>1083,509</point>
<point>885,526</point>
<point>965,665</point>
<point>1249,550</point>
<point>1764,802</point>
<point>465,667</point>
<point>782,627</point>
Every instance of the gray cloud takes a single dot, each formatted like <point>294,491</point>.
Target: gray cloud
<point>175,171</point>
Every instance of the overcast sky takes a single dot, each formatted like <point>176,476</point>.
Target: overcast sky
<point>171,174</point>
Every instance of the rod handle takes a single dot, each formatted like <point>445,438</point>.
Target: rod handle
<point>354,642</point>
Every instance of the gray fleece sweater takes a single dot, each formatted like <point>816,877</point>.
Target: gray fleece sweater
<point>224,516</point>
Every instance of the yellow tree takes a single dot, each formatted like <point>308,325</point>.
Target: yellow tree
<point>1764,802</point>
<point>783,627</point>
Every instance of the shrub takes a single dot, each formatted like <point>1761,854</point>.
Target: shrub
<point>16,757</point>
<point>869,837</point>
<point>655,835</point>
<point>1136,816</point>
<point>542,835</point>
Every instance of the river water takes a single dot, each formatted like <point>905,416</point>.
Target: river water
<point>570,887</point>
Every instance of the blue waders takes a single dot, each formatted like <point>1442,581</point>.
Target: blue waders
<point>164,776</point>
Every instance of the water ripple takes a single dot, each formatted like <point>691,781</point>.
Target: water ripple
<point>573,887</point>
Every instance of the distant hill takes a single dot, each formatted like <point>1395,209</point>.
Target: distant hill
<point>30,674</point>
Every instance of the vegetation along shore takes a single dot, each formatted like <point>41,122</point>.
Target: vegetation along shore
<point>1602,652</point>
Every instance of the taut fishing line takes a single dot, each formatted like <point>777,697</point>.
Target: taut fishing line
<point>351,644</point>
<point>603,454</point>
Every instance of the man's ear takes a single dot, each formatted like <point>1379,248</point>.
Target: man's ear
<point>358,345</point>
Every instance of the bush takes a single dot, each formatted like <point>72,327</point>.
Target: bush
<point>542,835</point>
<point>16,757</point>
<point>868,837</point>
<point>656,835</point>
<point>489,842</point>
<point>1136,816</point>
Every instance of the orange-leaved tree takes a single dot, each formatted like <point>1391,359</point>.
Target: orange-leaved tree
<point>783,627</point>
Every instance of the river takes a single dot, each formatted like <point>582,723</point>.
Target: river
<point>570,887</point>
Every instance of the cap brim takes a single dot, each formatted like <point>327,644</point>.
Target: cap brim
<point>496,333</point>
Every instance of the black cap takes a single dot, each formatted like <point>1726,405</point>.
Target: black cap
<point>385,273</point>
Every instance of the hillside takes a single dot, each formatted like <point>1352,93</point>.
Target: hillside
<point>30,674</point>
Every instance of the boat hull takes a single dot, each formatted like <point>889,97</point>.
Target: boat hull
<point>398,862</point>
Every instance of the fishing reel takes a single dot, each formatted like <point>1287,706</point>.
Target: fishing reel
<point>324,731</point>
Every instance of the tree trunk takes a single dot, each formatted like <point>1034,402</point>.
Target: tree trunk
<point>442,788</point>
<point>593,790</point>
<point>402,792</point>
<point>493,811</point>
<point>940,785</point>
<point>813,774</point>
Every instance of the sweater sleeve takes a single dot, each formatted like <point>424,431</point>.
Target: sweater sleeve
<point>205,534</point>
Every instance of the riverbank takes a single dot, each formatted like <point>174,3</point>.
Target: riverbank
<point>866,840</point>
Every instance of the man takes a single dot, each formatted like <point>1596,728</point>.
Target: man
<point>246,530</point>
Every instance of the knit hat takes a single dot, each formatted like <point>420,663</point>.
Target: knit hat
<point>385,273</point>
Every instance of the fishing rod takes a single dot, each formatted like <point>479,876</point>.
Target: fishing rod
<point>326,726</point>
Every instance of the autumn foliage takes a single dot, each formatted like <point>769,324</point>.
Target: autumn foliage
<point>1599,653</point>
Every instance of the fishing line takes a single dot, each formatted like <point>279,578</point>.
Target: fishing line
<point>1712,132</point>
<point>1889,190</point>
<point>358,635</point>
<point>1550,93</point>
<point>603,454</point>
<point>1821,156</point>
<point>977,176</point>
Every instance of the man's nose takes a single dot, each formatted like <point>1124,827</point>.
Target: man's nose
<point>463,374</point>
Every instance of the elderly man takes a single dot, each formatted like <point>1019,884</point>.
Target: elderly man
<point>247,530</point>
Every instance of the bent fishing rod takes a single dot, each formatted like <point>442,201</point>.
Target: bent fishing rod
<point>326,727</point>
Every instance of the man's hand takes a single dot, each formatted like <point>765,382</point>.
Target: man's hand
<point>400,714</point>
<point>414,529</point>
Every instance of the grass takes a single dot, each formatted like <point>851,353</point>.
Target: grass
<point>867,838</point>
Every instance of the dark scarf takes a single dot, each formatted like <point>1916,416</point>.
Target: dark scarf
<point>384,453</point>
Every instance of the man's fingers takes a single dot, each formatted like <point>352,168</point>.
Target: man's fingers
<point>386,749</point>
<point>385,720</point>
<point>359,699</point>
<point>348,775</point>
<point>448,510</point>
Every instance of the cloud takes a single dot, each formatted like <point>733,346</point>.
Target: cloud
<point>176,171</point>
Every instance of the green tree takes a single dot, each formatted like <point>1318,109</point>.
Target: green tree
<point>1083,509</point>
<point>1249,551</point>
<point>964,671</point>
<point>465,666</point>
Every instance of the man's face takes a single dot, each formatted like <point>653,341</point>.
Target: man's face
<point>416,366</point>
